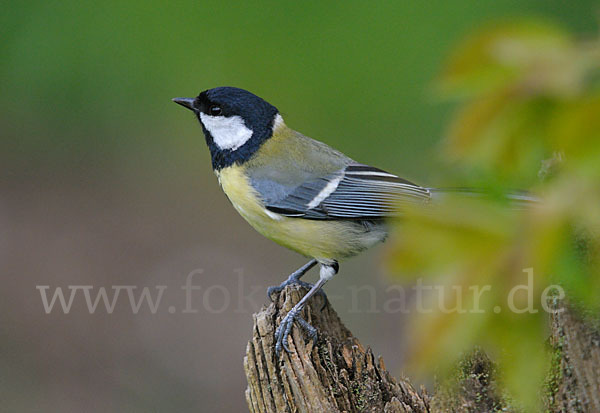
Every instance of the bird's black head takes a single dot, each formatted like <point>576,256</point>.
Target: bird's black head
<point>235,123</point>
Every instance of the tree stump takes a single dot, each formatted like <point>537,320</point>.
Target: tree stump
<point>336,374</point>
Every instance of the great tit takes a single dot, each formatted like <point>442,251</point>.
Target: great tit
<point>295,190</point>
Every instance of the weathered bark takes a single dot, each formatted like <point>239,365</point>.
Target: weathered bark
<point>574,381</point>
<point>337,374</point>
<point>472,389</point>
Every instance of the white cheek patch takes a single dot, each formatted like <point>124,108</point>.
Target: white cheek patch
<point>227,132</point>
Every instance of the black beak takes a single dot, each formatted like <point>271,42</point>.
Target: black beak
<point>185,102</point>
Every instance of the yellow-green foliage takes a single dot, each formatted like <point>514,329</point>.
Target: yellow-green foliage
<point>528,118</point>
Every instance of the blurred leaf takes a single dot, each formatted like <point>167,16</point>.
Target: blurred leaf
<point>489,134</point>
<point>530,100</point>
<point>576,131</point>
<point>475,238</point>
<point>509,54</point>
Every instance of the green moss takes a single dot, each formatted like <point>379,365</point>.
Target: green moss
<point>555,376</point>
<point>359,391</point>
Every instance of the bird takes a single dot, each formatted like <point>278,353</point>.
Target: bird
<point>297,191</point>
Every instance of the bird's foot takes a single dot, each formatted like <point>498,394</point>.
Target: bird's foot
<point>285,328</point>
<point>276,289</point>
<point>294,278</point>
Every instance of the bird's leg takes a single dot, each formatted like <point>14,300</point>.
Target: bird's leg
<point>285,327</point>
<point>294,278</point>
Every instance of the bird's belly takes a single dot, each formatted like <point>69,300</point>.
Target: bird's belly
<point>323,240</point>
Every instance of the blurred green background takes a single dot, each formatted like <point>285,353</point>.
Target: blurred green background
<point>106,182</point>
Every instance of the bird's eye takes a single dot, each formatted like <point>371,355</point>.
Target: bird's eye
<point>215,110</point>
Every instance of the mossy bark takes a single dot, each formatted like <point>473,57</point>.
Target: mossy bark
<point>573,384</point>
<point>338,374</point>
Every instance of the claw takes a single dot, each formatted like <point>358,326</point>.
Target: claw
<point>294,278</point>
<point>312,332</point>
<point>273,289</point>
<point>279,288</point>
<point>285,328</point>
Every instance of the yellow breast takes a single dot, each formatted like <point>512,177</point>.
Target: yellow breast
<point>323,240</point>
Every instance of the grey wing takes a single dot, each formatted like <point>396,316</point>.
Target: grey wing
<point>355,192</point>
